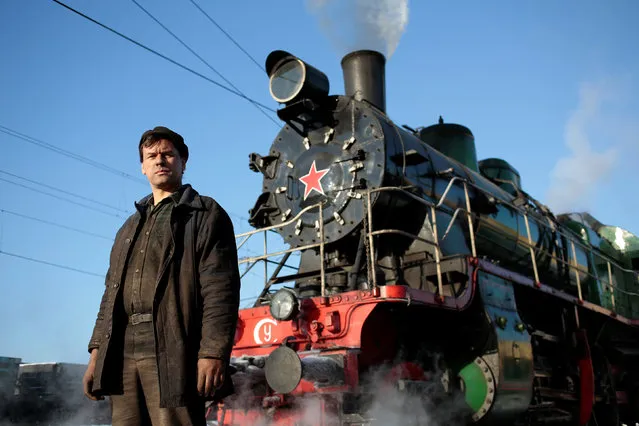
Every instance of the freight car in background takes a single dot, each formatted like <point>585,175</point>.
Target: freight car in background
<point>9,368</point>
<point>51,393</point>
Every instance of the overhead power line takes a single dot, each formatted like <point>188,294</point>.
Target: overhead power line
<point>227,35</point>
<point>66,153</point>
<point>57,197</point>
<point>59,225</point>
<point>57,265</point>
<point>201,59</point>
<point>155,52</point>
<point>82,197</point>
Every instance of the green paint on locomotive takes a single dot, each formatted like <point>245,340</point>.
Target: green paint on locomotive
<point>475,386</point>
<point>573,250</point>
<point>498,382</point>
<point>503,174</point>
<point>453,140</point>
<point>619,245</point>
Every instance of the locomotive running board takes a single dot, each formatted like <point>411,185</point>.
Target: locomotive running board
<point>544,288</point>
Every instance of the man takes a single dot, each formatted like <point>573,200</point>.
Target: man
<point>167,319</point>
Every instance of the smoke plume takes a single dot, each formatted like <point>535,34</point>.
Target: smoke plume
<point>575,178</point>
<point>362,24</point>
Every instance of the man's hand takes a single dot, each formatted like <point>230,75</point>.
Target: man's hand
<point>210,375</point>
<point>87,380</point>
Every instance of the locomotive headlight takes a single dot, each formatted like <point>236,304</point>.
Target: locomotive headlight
<point>284,305</point>
<point>287,80</point>
<point>291,79</point>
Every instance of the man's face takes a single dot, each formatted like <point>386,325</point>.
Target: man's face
<point>163,166</point>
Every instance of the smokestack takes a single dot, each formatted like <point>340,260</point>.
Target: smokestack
<point>364,77</point>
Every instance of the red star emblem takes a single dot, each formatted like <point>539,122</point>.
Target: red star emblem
<point>312,180</point>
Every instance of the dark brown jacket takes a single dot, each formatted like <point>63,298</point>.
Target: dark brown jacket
<point>196,301</point>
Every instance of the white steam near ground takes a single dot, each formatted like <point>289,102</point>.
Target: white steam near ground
<point>362,24</point>
<point>419,407</point>
<point>577,177</point>
<point>388,405</point>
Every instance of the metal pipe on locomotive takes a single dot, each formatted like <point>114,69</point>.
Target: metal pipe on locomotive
<point>425,272</point>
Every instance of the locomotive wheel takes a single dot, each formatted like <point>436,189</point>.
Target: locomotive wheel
<point>478,386</point>
<point>605,410</point>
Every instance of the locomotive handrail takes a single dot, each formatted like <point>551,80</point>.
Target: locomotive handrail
<point>582,269</point>
<point>286,223</point>
<point>433,208</point>
<point>265,257</point>
<point>569,236</point>
<point>532,250</point>
<point>573,239</point>
<point>370,248</point>
<point>404,233</point>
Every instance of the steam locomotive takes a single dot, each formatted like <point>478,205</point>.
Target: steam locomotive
<point>430,287</point>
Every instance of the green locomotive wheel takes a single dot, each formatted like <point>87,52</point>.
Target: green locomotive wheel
<point>478,385</point>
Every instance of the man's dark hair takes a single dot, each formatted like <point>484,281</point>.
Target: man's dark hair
<point>151,137</point>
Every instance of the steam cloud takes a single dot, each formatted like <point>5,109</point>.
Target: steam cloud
<point>385,403</point>
<point>362,24</point>
<point>575,177</point>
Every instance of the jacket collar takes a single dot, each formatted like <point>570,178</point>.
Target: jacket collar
<point>185,198</point>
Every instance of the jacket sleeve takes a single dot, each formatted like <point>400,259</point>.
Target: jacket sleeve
<point>219,278</point>
<point>98,329</point>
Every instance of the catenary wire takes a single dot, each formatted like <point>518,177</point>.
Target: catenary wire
<point>201,59</point>
<point>57,197</point>
<point>85,160</point>
<point>55,149</point>
<point>66,153</point>
<point>59,225</point>
<point>155,52</point>
<point>227,35</point>
<point>65,192</point>
<point>57,265</point>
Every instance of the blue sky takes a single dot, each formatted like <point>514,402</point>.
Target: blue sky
<point>549,86</point>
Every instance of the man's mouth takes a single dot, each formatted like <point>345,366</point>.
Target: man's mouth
<point>162,172</point>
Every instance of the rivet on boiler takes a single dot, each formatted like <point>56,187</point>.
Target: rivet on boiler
<point>348,143</point>
<point>329,135</point>
<point>355,167</point>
